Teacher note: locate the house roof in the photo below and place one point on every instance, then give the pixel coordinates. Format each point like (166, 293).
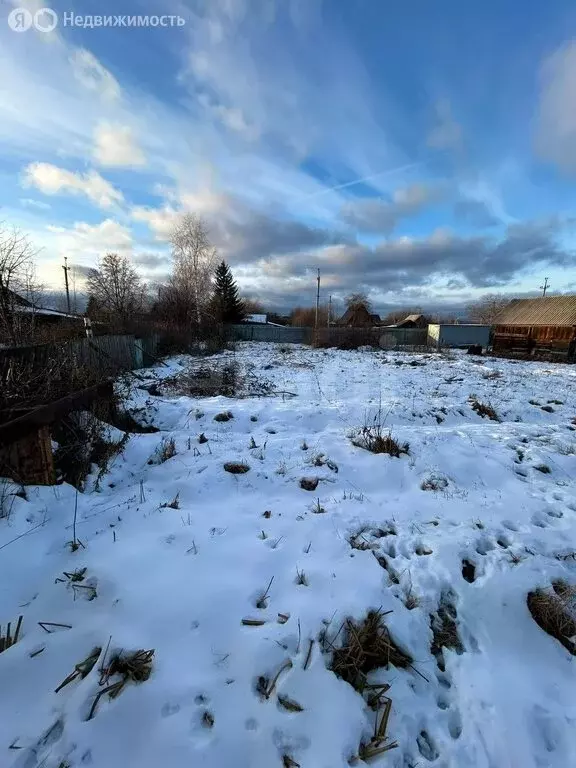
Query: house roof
(33, 310)
(355, 313)
(412, 318)
(17, 300)
(551, 310)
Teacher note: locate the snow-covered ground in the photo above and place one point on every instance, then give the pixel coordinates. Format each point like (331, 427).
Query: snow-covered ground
(490, 501)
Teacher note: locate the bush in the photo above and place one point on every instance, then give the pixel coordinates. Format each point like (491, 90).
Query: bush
(483, 409)
(373, 439)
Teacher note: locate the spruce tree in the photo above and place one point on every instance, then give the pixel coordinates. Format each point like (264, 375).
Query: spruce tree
(227, 303)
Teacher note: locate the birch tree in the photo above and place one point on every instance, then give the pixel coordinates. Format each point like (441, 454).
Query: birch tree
(194, 262)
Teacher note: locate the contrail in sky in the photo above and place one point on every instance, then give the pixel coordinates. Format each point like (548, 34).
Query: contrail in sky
(389, 172)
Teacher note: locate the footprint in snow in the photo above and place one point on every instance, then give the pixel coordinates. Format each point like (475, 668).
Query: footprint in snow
(554, 513)
(36, 756)
(469, 571)
(168, 709)
(454, 724)
(427, 747)
(484, 546)
(545, 731)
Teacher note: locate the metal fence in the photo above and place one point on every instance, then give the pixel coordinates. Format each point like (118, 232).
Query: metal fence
(386, 338)
(265, 332)
(37, 374)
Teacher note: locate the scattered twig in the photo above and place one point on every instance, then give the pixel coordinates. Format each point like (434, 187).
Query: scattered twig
(262, 601)
(299, 637)
(308, 655)
(286, 665)
(46, 624)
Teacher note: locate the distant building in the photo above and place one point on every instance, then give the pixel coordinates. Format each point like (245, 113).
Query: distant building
(262, 319)
(544, 328)
(413, 321)
(358, 317)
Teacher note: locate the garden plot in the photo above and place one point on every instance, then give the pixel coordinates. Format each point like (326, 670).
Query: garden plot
(328, 567)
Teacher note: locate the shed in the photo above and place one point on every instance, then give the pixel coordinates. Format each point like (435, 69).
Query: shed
(544, 328)
(413, 321)
(461, 335)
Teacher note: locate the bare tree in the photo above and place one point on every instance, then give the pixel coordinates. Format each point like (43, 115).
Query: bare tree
(253, 306)
(115, 287)
(305, 316)
(194, 262)
(19, 291)
(487, 308)
(358, 299)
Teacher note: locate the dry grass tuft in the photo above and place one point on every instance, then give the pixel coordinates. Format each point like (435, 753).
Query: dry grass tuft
(166, 450)
(554, 610)
(133, 667)
(367, 646)
(434, 483)
(372, 438)
(483, 409)
(236, 468)
(7, 640)
(174, 504)
(301, 578)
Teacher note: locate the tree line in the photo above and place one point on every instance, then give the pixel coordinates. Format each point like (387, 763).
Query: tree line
(199, 292)
(200, 289)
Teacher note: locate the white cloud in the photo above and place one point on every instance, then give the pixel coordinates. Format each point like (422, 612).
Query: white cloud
(115, 146)
(377, 215)
(556, 124)
(93, 75)
(52, 180)
(160, 220)
(447, 133)
(84, 242)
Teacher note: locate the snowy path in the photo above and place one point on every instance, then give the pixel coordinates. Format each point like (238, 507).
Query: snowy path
(499, 510)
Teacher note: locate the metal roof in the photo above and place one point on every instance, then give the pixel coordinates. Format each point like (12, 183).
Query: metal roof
(551, 310)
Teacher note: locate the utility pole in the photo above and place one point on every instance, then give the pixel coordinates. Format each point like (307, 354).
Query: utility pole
(329, 309)
(545, 287)
(66, 269)
(317, 300)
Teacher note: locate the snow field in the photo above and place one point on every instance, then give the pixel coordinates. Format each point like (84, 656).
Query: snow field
(476, 515)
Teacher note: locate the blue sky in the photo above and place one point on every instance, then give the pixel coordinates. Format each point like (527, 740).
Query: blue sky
(422, 152)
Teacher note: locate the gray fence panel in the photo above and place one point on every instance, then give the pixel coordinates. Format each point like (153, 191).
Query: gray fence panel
(402, 337)
(276, 333)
